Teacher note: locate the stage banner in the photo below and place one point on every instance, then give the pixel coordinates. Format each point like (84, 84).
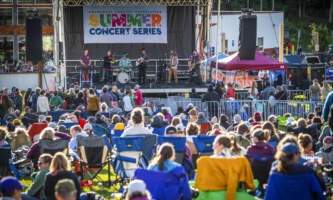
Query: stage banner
(125, 24)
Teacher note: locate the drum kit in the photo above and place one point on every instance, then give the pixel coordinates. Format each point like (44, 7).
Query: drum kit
(123, 77)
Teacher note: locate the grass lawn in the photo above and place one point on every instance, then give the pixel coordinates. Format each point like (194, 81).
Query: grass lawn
(98, 188)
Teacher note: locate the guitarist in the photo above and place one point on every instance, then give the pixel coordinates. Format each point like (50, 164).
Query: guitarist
(173, 66)
(194, 68)
(141, 63)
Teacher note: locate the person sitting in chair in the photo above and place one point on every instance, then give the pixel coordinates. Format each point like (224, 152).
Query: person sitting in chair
(36, 189)
(164, 160)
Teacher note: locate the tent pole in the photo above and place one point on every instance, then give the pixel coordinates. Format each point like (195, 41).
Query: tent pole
(217, 37)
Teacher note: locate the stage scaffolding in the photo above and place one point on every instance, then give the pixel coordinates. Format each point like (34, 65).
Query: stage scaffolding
(73, 3)
(203, 7)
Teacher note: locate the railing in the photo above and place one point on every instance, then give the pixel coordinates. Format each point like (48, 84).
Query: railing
(155, 69)
(245, 108)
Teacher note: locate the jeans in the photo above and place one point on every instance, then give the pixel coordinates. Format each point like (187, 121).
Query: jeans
(314, 100)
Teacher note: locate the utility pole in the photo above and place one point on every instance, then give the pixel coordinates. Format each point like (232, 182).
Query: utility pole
(217, 38)
(260, 5)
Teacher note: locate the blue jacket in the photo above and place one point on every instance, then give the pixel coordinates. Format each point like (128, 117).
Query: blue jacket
(327, 106)
(166, 185)
(34, 102)
(290, 187)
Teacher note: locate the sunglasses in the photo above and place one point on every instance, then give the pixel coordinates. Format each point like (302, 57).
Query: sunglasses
(40, 163)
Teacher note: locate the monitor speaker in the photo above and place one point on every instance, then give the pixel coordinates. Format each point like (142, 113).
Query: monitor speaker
(34, 42)
(247, 37)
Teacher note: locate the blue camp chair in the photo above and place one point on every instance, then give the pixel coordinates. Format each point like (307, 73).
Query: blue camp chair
(290, 187)
(56, 114)
(99, 130)
(129, 155)
(159, 131)
(166, 185)
(204, 144)
(68, 125)
(273, 144)
(179, 146)
(185, 122)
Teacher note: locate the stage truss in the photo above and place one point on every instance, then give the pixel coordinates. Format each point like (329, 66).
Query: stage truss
(74, 3)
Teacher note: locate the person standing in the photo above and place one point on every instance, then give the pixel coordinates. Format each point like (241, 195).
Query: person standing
(127, 102)
(138, 96)
(108, 61)
(43, 103)
(85, 62)
(325, 90)
(194, 67)
(314, 90)
(141, 63)
(18, 100)
(93, 103)
(5, 103)
(173, 66)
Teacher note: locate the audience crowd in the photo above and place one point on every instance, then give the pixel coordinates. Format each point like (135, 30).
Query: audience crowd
(301, 146)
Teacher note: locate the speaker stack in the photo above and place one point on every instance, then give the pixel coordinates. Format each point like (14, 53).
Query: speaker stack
(34, 42)
(247, 37)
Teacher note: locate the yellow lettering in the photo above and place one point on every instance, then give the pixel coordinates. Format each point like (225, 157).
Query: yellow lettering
(93, 20)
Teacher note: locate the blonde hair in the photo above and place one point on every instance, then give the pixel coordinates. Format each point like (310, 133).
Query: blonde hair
(60, 162)
(47, 133)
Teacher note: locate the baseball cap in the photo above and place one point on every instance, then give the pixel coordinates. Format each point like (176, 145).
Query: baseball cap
(290, 148)
(257, 114)
(10, 183)
(136, 186)
(65, 187)
(62, 128)
(180, 127)
(170, 129)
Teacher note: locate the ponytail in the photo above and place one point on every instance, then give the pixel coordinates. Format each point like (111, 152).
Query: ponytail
(235, 148)
(165, 152)
(284, 161)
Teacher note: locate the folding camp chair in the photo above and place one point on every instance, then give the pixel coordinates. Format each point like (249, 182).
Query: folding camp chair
(56, 114)
(159, 131)
(5, 155)
(99, 130)
(68, 125)
(179, 145)
(261, 166)
(93, 156)
(129, 155)
(53, 146)
(295, 186)
(166, 185)
(149, 146)
(204, 144)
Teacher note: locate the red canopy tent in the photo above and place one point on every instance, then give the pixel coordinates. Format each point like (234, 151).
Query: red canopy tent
(261, 62)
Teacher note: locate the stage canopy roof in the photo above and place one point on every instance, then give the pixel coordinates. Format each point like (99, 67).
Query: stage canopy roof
(135, 2)
(261, 62)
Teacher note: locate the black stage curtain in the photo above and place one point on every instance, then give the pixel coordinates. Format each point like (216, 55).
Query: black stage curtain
(181, 36)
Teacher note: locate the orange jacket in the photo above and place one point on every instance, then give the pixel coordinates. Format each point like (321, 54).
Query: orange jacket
(214, 174)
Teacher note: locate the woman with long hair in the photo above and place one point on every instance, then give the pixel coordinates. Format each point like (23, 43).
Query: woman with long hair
(274, 136)
(305, 142)
(288, 157)
(325, 90)
(253, 91)
(60, 168)
(93, 103)
(164, 160)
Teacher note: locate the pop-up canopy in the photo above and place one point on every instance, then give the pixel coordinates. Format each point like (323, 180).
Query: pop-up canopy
(261, 62)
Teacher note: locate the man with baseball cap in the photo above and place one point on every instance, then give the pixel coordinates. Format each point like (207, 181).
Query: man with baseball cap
(11, 188)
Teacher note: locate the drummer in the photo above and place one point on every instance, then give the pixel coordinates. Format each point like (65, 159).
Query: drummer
(85, 62)
(125, 64)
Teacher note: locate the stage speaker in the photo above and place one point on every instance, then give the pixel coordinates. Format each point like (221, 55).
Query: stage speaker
(247, 37)
(33, 39)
